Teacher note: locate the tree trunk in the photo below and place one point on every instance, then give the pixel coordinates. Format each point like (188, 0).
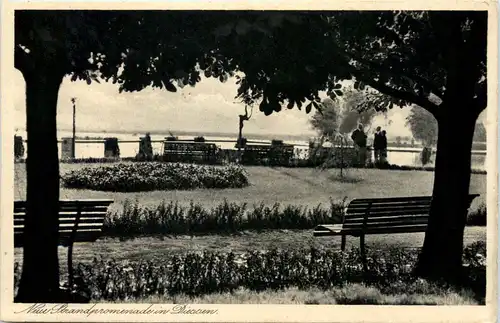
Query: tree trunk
(441, 256)
(239, 143)
(40, 275)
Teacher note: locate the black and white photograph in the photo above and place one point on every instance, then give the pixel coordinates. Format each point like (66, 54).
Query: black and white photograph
(178, 160)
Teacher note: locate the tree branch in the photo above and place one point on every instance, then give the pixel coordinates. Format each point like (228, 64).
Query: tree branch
(406, 96)
(398, 72)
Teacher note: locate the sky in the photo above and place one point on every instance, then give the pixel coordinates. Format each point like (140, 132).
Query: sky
(209, 106)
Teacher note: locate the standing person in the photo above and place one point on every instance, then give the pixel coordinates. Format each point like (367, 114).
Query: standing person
(383, 148)
(359, 138)
(377, 145)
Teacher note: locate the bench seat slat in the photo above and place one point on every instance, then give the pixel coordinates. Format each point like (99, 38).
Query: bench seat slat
(389, 229)
(349, 226)
(399, 229)
(65, 227)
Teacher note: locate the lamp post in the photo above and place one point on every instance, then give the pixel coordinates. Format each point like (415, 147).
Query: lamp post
(73, 144)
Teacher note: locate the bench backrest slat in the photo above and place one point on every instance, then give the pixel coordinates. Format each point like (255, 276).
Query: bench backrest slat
(390, 213)
(89, 220)
(378, 204)
(390, 199)
(93, 202)
(367, 214)
(67, 214)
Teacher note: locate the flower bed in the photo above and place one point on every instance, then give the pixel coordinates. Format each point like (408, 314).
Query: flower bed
(149, 176)
(210, 272)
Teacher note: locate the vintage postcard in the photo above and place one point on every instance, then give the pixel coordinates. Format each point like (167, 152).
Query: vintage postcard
(242, 161)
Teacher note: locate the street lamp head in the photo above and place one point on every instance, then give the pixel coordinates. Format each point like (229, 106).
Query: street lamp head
(73, 100)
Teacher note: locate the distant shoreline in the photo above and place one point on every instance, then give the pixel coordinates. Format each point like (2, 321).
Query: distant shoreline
(80, 134)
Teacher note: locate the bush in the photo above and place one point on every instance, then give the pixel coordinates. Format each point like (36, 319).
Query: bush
(226, 217)
(18, 147)
(149, 176)
(210, 272)
(477, 216)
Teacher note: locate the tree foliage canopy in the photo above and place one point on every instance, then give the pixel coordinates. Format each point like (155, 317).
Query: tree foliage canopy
(424, 127)
(404, 56)
(341, 115)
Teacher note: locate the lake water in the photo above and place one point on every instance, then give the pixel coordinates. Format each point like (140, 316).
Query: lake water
(395, 155)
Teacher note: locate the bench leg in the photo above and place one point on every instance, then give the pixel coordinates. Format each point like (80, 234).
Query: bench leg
(342, 244)
(70, 266)
(363, 252)
(362, 245)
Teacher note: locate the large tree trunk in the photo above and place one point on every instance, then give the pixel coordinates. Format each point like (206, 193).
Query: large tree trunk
(441, 256)
(40, 275)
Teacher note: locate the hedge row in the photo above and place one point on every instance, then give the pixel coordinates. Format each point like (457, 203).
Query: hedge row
(228, 217)
(211, 272)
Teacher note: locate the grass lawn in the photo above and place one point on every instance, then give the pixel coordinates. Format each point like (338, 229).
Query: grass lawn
(303, 186)
(348, 295)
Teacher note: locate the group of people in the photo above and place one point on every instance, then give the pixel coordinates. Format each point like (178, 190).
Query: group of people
(379, 145)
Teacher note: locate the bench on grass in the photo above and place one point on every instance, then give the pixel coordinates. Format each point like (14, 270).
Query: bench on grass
(79, 221)
(274, 155)
(381, 215)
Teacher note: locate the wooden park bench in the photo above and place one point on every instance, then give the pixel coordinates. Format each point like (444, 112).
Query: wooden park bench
(381, 216)
(274, 155)
(79, 221)
(178, 151)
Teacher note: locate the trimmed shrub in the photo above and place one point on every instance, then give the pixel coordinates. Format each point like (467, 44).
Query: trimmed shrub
(149, 176)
